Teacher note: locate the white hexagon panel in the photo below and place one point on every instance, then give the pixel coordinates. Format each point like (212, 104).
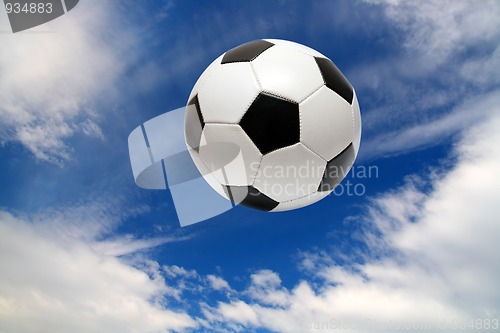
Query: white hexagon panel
(326, 123)
(228, 93)
(204, 76)
(290, 173)
(296, 46)
(229, 154)
(300, 202)
(287, 73)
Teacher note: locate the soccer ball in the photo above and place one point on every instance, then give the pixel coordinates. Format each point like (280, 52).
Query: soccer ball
(273, 125)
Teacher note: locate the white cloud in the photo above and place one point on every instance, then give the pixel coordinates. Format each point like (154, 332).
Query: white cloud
(218, 283)
(51, 78)
(448, 57)
(483, 70)
(69, 287)
(176, 271)
(239, 312)
(266, 288)
(60, 272)
(436, 31)
(465, 115)
(432, 257)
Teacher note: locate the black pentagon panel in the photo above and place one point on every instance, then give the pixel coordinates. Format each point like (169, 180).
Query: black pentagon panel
(336, 169)
(194, 124)
(246, 52)
(194, 101)
(272, 122)
(334, 79)
(249, 196)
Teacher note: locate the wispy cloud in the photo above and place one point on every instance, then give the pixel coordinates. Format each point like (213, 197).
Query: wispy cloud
(127, 244)
(50, 81)
(447, 59)
(437, 31)
(435, 131)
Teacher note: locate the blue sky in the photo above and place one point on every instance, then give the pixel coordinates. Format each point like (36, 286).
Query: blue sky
(83, 249)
